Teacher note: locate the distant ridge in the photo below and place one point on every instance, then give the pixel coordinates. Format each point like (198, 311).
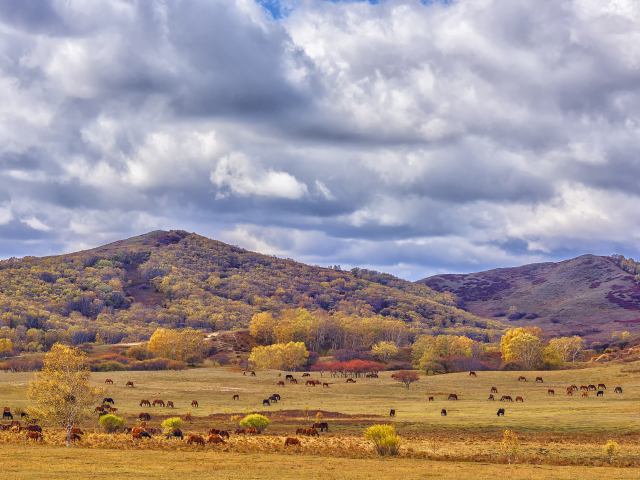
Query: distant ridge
(588, 295)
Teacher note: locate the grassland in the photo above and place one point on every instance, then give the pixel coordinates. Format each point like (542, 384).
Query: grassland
(554, 431)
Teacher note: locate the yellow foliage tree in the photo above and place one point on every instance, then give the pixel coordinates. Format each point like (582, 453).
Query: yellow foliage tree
(280, 356)
(568, 348)
(384, 351)
(262, 326)
(6, 346)
(176, 345)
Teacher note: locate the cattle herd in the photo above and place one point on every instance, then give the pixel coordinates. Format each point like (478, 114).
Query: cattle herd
(217, 436)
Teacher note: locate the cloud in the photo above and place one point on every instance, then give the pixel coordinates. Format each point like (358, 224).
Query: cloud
(406, 136)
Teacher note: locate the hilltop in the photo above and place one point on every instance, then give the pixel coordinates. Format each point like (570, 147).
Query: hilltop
(589, 295)
(175, 279)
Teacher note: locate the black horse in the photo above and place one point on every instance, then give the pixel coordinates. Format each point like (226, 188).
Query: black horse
(175, 432)
(108, 400)
(501, 412)
(266, 402)
(7, 415)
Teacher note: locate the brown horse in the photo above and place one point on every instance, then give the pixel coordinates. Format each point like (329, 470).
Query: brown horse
(194, 403)
(215, 439)
(291, 441)
(281, 384)
(196, 439)
(519, 399)
(522, 379)
(170, 404)
(236, 397)
(551, 392)
(145, 402)
(472, 374)
(506, 398)
(129, 384)
(539, 380)
(109, 381)
(325, 384)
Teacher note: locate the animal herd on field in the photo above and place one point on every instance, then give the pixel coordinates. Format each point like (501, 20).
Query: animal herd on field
(216, 436)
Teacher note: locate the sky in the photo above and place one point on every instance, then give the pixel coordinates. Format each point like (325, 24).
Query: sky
(406, 136)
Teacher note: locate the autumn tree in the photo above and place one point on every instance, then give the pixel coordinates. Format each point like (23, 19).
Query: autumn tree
(262, 326)
(407, 377)
(177, 345)
(384, 351)
(61, 390)
(522, 344)
(280, 356)
(568, 348)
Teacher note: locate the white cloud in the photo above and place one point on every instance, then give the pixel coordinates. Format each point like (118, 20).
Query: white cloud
(36, 224)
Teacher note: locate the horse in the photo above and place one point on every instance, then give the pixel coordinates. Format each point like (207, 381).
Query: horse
(551, 392)
(518, 398)
(129, 384)
(306, 374)
(281, 384)
(602, 386)
(501, 412)
(617, 390)
(539, 380)
(585, 394)
(77, 431)
(288, 377)
(325, 384)
(291, 441)
(7, 415)
(506, 398)
(494, 390)
(452, 396)
(293, 380)
(139, 435)
(35, 436)
(224, 433)
(74, 437)
(522, 379)
(215, 439)
(443, 412)
(591, 387)
(194, 403)
(322, 426)
(240, 431)
(491, 397)
(266, 402)
(195, 439)
(236, 397)
(584, 388)
(392, 413)
(145, 402)
(431, 399)
(273, 399)
(157, 401)
(188, 417)
(170, 404)
(108, 400)
(175, 432)
(472, 374)
(277, 397)
(253, 374)
(312, 431)
(108, 381)
(310, 382)
(350, 380)
(600, 393)
(252, 431)
(144, 416)
(570, 391)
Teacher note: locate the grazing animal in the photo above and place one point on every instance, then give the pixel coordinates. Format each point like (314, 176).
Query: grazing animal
(7, 415)
(35, 436)
(139, 435)
(252, 431)
(518, 398)
(501, 412)
(617, 390)
(113, 409)
(602, 386)
(240, 431)
(34, 428)
(7, 409)
(144, 416)
(109, 381)
(214, 431)
(506, 398)
(551, 392)
(574, 387)
(570, 391)
(494, 390)
(276, 396)
(152, 431)
(108, 400)
(325, 384)
(321, 426)
(224, 433)
(300, 431)
(77, 431)
(281, 384)
(175, 432)
(312, 431)
(522, 379)
(539, 380)
(600, 393)
(157, 401)
(253, 374)
(15, 423)
(310, 382)
(431, 399)
(452, 396)
(129, 384)
(23, 414)
(145, 402)
(74, 437)
(188, 417)
(288, 377)
(170, 404)
(196, 439)
(215, 439)
(293, 380)
(443, 412)
(584, 388)
(350, 380)
(591, 387)
(100, 409)
(585, 394)
(291, 441)
(472, 374)
(306, 374)
(273, 399)
(491, 397)
(4, 427)
(194, 403)
(266, 402)
(236, 397)
(392, 413)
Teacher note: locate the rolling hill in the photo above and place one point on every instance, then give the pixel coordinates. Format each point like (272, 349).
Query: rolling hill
(589, 295)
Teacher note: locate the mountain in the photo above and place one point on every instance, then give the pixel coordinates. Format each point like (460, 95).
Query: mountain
(588, 295)
(127, 289)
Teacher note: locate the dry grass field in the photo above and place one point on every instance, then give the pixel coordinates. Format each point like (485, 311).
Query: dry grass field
(559, 435)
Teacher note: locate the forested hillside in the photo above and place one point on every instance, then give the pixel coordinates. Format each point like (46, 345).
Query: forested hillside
(127, 289)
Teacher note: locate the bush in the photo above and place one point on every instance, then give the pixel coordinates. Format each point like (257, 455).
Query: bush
(399, 366)
(110, 422)
(138, 353)
(610, 450)
(176, 365)
(171, 423)
(255, 420)
(513, 366)
(221, 359)
(384, 439)
(111, 367)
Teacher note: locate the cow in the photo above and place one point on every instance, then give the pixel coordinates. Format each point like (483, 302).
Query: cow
(281, 384)
(325, 384)
(350, 380)
(392, 413)
(551, 391)
(108, 381)
(215, 439)
(591, 387)
(310, 382)
(494, 390)
(472, 374)
(452, 396)
(431, 399)
(322, 426)
(585, 394)
(291, 441)
(240, 431)
(108, 400)
(293, 380)
(157, 401)
(145, 402)
(491, 397)
(170, 404)
(144, 416)
(129, 384)
(306, 374)
(522, 379)
(266, 402)
(506, 398)
(539, 380)
(188, 417)
(600, 393)
(443, 412)
(194, 403)
(252, 431)
(236, 397)
(519, 398)
(35, 436)
(175, 432)
(602, 386)
(617, 390)
(501, 412)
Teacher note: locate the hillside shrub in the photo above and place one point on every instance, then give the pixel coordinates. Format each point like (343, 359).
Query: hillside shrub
(513, 366)
(221, 359)
(176, 365)
(110, 422)
(399, 366)
(256, 421)
(111, 367)
(171, 423)
(384, 439)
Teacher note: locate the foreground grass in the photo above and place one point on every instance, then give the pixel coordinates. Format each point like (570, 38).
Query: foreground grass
(59, 462)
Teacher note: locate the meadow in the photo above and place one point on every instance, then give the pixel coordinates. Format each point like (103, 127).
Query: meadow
(555, 431)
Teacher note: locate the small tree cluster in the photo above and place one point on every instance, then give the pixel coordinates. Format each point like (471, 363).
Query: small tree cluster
(384, 439)
(259, 422)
